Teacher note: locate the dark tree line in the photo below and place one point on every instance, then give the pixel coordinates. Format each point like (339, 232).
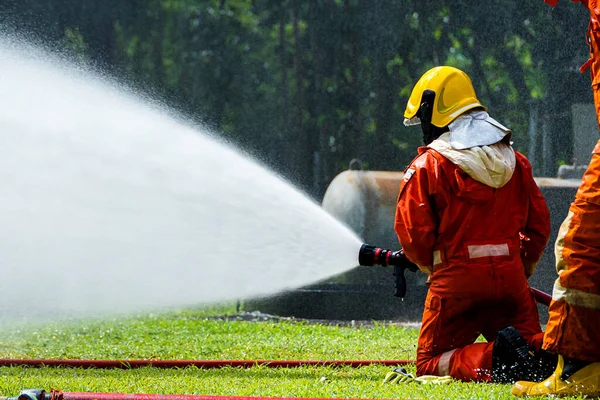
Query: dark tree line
(308, 85)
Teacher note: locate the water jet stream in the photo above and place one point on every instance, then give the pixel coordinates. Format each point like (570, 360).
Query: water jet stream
(111, 204)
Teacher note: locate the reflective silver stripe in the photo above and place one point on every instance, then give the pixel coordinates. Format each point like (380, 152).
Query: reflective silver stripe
(575, 297)
(560, 243)
(488, 250)
(444, 364)
(463, 109)
(437, 257)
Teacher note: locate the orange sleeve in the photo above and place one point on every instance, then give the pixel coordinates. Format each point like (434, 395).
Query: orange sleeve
(416, 222)
(537, 228)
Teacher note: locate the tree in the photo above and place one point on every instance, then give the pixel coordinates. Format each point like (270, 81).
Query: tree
(307, 85)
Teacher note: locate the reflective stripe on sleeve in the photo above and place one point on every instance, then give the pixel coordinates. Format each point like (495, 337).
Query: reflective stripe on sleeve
(559, 245)
(575, 297)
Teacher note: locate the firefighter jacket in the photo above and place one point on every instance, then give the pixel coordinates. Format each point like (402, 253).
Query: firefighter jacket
(470, 207)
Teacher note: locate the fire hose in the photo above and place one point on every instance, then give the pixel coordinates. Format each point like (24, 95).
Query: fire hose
(368, 256)
(40, 394)
(204, 364)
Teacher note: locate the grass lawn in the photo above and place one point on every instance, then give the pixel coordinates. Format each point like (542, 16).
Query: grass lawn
(197, 334)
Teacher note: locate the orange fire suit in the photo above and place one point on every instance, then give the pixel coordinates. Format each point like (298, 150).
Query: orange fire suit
(466, 236)
(574, 323)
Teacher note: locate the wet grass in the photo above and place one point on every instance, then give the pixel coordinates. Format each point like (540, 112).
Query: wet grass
(198, 335)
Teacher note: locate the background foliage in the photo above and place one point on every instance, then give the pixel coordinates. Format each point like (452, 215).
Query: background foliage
(307, 85)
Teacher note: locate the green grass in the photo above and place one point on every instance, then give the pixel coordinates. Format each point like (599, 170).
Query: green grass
(191, 335)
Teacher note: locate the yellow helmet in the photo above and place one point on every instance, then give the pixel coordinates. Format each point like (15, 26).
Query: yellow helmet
(454, 94)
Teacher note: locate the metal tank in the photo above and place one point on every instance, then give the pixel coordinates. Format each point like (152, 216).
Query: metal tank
(366, 202)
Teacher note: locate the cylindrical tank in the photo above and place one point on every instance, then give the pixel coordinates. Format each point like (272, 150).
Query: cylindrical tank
(366, 202)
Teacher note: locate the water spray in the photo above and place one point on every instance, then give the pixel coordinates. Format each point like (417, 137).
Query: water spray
(369, 256)
(132, 202)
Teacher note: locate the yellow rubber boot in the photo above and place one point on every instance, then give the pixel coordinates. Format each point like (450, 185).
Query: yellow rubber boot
(585, 382)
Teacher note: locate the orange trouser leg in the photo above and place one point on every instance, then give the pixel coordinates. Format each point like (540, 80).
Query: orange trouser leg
(493, 298)
(574, 322)
(472, 362)
(451, 325)
(446, 327)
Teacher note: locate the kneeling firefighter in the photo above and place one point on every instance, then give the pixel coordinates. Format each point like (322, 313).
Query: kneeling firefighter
(471, 216)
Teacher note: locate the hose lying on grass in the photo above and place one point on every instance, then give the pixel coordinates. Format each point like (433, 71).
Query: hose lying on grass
(540, 296)
(204, 364)
(40, 394)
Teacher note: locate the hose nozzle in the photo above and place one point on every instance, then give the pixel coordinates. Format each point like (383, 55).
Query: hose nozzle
(369, 256)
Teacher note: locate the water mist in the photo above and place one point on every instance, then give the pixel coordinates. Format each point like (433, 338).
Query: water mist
(110, 204)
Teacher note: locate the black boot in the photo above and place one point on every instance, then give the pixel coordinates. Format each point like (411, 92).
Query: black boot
(513, 360)
(544, 365)
(572, 365)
